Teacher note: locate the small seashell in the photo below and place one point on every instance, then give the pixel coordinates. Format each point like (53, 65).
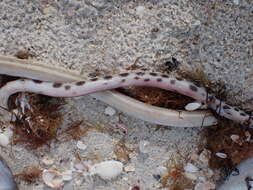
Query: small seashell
(140, 10)
(236, 2)
(204, 186)
(47, 160)
(107, 170)
(190, 168)
(110, 111)
(80, 167)
(247, 135)
(81, 145)
(235, 138)
(67, 175)
(4, 139)
(193, 106)
(129, 168)
(191, 176)
(204, 156)
(221, 155)
(52, 178)
(144, 146)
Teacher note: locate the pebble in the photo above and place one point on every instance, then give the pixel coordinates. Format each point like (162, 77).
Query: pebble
(110, 111)
(81, 145)
(107, 170)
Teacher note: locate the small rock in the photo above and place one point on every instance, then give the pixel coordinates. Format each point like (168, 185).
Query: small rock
(190, 168)
(81, 145)
(110, 111)
(107, 170)
(221, 155)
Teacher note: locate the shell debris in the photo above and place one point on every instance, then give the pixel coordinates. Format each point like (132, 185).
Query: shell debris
(107, 170)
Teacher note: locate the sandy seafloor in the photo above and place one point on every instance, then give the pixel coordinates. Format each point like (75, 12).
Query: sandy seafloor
(108, 36)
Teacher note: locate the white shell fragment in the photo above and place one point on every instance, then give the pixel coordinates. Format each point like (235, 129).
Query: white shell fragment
(190, 168)
(193, 106)
(221, 155)
(81, 145)
(4, 139)
(110, 111)
(67, 175)
(235, 138)
(107, 170)
(47, 160)
(144, 146)
(52, 178)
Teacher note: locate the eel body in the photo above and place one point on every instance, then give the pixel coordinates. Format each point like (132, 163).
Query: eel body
(140, 78)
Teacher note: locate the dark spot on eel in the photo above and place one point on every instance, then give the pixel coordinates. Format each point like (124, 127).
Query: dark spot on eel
(226, 107)
(146, 80)
(80, 83)
(165, 76)
(123, 74)
(153, 74)
(179, 79)
(140, 73)
(159, 80)
(242, 114)
(173, 82)
(37, 81)
(57, 85)
(108, 77)
(193, 88)
(136, 78)
(236, 109)
(67, 87)
(93, 79)
(123, 80)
